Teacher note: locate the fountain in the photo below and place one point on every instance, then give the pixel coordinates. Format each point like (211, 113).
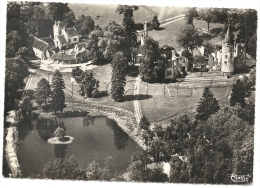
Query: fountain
(60, 137)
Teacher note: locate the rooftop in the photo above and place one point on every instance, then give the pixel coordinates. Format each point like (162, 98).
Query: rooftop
(62, 57)
(72, 32)
(41, 44)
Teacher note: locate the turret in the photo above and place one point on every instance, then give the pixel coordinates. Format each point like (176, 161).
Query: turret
(227, 64)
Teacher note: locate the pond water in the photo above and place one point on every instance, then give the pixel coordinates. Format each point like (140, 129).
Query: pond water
(95, 138)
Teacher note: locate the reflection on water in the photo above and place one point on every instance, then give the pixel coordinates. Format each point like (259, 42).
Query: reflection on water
(45, 128)
(60, 150)
(119, 136)
(88, 120)
(95, 138)
(24, 128)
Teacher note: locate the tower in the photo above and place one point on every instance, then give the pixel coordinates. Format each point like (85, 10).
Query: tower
(239, 53)
(227, 63)
(144, 33)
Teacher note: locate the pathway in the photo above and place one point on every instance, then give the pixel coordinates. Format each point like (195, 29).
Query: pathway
(173, 20)
(138, 111)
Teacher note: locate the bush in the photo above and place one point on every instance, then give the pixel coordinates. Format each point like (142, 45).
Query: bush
(46, 107)
(95, 93)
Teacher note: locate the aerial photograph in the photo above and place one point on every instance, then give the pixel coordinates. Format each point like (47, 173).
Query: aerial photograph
(129, 93)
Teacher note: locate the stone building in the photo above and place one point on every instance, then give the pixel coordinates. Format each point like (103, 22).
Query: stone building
(64, 37)
(231, 57)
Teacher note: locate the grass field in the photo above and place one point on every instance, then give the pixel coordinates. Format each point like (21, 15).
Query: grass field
(101, 13)
(169, 33)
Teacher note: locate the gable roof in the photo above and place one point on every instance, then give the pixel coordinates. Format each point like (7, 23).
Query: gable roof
(49, 40)
(71, 32)
(81, 45)
(40, 44)
(61, 39)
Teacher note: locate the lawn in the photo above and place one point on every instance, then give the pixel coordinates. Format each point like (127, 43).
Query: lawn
(102, 13)
(169, 32)
(166, 101)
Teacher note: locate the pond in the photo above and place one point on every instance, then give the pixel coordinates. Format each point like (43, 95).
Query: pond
(95, 138)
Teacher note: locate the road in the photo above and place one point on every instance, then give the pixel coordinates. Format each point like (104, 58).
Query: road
(172, 20)
(138, 111)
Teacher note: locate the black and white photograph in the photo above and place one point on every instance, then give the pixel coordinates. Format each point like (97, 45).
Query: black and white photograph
(129, 92)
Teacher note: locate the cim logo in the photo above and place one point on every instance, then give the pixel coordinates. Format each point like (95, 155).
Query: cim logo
(239, 178)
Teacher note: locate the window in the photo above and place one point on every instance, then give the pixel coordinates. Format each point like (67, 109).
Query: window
(75, 39)
(225, 63)
(226, 56)
(183, 60)
(230, 55)
(69, 40)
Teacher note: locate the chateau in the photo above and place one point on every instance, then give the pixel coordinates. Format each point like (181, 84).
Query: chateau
(231, 57)
(64, 48)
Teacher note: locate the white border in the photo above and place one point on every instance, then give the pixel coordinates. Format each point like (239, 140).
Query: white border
(5, 182)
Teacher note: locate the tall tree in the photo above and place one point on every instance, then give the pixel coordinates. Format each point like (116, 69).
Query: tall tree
(129, 25)
(15, 73)
(43, 90)
(150, 50)
(189, 38)
(118, 79)
(144, 123)
(89, 83)
(208, 105)
(191, 13)
(26, 107)
(57, 95)
(155, 22)
(84, 25)
(208, 14)
(238, 94)
(58, 10)
(69, 19)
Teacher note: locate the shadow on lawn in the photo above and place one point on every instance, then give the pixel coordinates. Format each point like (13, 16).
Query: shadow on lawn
(138, 97)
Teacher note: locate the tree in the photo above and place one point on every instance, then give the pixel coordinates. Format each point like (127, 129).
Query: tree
(15, 73)
(208, 105)
(13, 42)
(85, 25)
(118, 77)
(156, 175)
(69, 19)
(93, 171)
(113, 40)
(66, 168)
(150, 50)
(43, 90)
(155, 22)
(45, 128)
(89, 83)
(57, 95)
(108, 172)
(252, 46)
(208, 14)
(26, 107)
(144, 123)
(136, 171)
(238, 94)
(191, 13)
(58, 11)
(189, 38)
(198, 60)
(129, 26)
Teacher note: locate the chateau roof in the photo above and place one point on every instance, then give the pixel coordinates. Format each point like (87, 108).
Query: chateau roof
(228, 37)
(62, 39)
(40, 44)
(72, 32)
(49, 40)
(62, 57)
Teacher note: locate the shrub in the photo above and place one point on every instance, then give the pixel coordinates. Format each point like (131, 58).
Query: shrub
(95, 93)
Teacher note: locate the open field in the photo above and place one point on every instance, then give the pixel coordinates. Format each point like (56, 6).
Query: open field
(170, 31)
(166, 100)
(101, 13)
